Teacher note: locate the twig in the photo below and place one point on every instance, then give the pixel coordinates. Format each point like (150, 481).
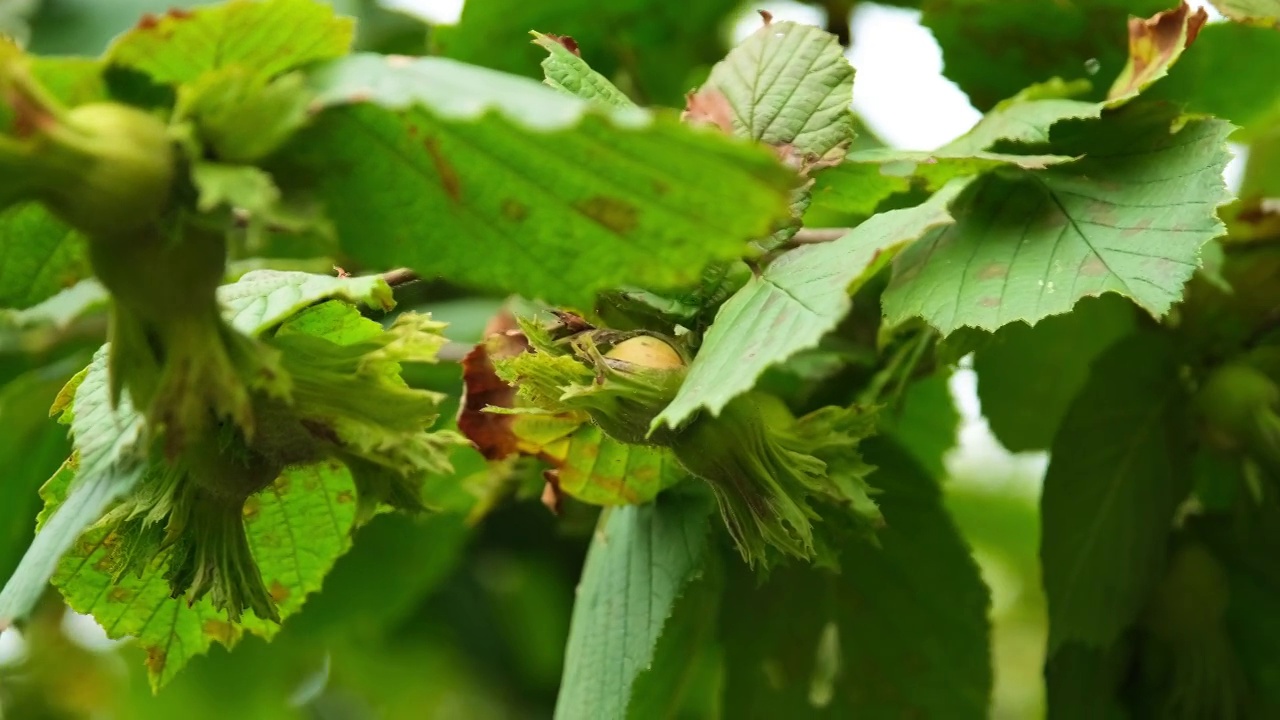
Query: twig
(400, 276)
(811, 236)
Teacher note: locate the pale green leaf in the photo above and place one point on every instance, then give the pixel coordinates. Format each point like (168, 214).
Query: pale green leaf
(640, 562)
(1129, 218)
(567, 71)
(39, 256)
(789, 307)
(262, 299)
(865, 178)
(788, 84)
(424, 162)
(1027, 117)
(31, 449)
(107, 465)
(60, 310)
(1118, 470)
(1264, 13)
(296, 528)
(181, 46)
(899, 631)
(1028, 376)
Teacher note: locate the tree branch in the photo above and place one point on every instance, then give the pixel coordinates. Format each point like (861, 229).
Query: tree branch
(400, 276)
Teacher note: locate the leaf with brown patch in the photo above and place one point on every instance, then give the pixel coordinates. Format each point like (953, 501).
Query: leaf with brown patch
(1154, 45)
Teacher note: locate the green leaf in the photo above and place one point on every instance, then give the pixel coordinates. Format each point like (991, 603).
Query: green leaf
(654, 52)
(993, 49)
(1028, 376)
(241, 116)
(684, 653)
(565, 70)
(38, 256)
(593, 467)
(421, 162)
(1027, 117)
(1129, 218)
(31, 449)
(181, 45)
(789, 307)
(1119, 468)
(1264, 13)
(788, 84)
(927, 424)
(86, 27)
(297, 528)
(262, 299)
(1250, 100)
(106, 467)
(900, 631)
(640, 562)
(857, 185)
(1082, 683)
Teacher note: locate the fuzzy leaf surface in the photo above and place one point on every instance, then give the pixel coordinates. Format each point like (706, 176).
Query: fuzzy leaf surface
(1129, 218)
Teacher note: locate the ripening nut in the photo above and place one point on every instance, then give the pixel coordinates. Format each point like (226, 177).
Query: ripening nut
(119, 171)
(646, 351)
(1232, 400)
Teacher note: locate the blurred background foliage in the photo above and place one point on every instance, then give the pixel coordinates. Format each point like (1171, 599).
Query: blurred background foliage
(444, 617)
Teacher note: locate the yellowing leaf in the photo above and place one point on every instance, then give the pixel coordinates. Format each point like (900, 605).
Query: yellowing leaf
(1154, 45)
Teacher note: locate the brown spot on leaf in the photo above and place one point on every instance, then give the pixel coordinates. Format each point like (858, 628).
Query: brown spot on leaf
(1154, 44)
(278, 591)
(567, 42)
(360, 96)
(989, 302)
(156, 658)
(119, 595)
(251, 507)
(514, 210)
(223, 632)
(1093, 267)
(708, 106)
(448, 175)
(614, 214)
(993, 271)
(1102, 212)
(180, 14)
(104, 564)
(345, 497)
(1137, 229)
(490, 432)
(148, 22)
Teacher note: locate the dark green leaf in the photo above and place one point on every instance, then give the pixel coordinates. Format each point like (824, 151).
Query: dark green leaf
(1119, 468)
(900, 631)
(1220, 75)
(789, 307)
(993, 49)
(422, 162)
(653, 51)
(1028, 376)
(928, 423)
(640, 562)
(1129, 218)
